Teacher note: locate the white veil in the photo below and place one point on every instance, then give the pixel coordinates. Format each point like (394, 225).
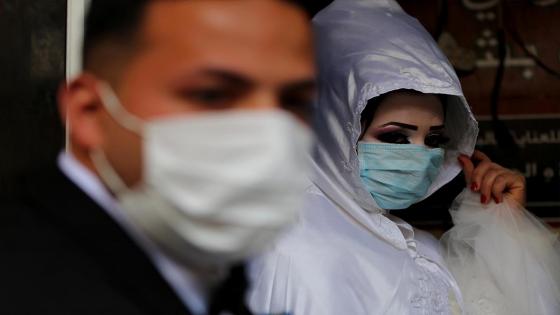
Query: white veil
(505, 260)
(366, 48)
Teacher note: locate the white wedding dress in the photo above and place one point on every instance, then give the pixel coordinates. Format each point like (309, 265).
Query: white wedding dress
(346, 255)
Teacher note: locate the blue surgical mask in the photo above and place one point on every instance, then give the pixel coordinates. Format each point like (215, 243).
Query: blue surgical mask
(398, 175)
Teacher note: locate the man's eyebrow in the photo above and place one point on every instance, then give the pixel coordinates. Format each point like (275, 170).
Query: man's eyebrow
(227, 76)
(402, 125)
(438, 127)
(302, 85)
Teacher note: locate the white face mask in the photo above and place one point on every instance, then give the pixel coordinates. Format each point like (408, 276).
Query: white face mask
(217, 187)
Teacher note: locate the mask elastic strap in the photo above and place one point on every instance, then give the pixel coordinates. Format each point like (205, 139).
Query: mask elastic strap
(108, 173)
(117, 111)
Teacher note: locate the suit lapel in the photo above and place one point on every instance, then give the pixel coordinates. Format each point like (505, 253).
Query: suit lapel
(127, 267)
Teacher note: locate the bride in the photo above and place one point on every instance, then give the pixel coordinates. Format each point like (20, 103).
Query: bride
(393, 127)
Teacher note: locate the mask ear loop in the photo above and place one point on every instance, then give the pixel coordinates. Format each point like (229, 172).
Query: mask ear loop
(117, 111)
(108, 173)
(127, 120)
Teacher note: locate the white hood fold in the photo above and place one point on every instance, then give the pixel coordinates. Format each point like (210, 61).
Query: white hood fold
(367, 48)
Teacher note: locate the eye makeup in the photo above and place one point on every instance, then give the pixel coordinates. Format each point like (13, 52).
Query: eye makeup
(397, 134)
(391, 134)
(436, 140)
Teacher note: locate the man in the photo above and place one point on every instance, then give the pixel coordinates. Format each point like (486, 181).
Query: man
(187, 148)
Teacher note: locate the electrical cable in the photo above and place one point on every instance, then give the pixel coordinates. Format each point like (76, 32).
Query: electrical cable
(500, 70)
(518, 39)
(442, 18)
(504, 138)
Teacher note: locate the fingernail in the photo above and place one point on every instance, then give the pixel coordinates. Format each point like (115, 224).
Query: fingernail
(474, 186)
(496, 200)
(483, 199)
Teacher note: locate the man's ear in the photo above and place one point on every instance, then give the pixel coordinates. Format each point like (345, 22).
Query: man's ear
(80, 109)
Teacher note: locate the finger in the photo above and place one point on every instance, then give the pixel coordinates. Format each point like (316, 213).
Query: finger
(467, 166)
(479, 172)
(479, 156)
(499, 187)
(486, 184)
(516, 187)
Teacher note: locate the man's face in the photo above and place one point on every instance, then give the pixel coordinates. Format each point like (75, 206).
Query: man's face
(213, 55)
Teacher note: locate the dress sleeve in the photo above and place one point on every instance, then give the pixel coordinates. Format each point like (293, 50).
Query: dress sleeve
(504, 259)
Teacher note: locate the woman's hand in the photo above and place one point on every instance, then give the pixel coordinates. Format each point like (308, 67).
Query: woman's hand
(492, 180)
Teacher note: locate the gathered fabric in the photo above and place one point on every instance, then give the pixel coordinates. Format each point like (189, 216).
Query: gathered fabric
(503, 258)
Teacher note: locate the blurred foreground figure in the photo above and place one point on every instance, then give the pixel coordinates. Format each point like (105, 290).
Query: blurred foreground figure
(393, 127)
(188, 141)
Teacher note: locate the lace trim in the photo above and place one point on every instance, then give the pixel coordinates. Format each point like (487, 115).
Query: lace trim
(432, 294)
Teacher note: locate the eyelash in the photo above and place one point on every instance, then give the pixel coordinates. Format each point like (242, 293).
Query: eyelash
(432, 140)
(393, 137)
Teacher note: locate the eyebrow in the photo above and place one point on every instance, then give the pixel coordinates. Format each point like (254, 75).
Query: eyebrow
(299, 86)
(402, 125)
(411, 127)
(226, 76)
(234, 78)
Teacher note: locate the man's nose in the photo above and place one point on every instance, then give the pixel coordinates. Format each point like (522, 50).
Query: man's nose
(264, 99)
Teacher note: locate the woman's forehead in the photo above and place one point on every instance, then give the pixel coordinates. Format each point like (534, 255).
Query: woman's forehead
(403, 105)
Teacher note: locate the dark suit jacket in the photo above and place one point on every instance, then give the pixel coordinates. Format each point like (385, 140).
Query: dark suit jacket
(60, 253)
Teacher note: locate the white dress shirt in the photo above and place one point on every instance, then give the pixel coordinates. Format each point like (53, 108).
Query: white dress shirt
(192, 291)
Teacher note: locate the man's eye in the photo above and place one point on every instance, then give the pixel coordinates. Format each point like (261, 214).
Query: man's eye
(299, 105)
(208, 96)
(301, 109)
(393, 137)
(436, 140)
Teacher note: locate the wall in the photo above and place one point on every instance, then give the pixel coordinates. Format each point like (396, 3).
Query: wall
(32, 64)
(527, 135)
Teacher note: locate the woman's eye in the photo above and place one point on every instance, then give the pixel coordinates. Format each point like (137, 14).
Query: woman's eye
(436, 140)
(393, 137)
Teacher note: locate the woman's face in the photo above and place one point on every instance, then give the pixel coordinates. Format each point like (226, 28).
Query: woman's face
(403, 118)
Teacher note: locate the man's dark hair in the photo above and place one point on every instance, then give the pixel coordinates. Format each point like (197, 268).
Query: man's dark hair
(111, 21)
(118, 21)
